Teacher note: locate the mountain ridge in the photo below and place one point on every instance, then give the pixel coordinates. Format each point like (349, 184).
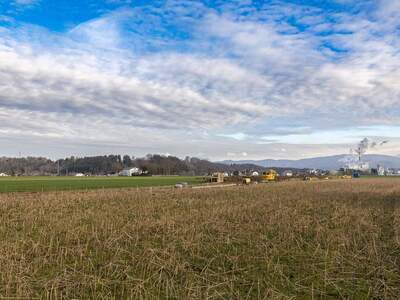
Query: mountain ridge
(333, 162)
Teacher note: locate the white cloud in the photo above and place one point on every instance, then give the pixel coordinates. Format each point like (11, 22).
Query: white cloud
(25, 1)
(242, 81)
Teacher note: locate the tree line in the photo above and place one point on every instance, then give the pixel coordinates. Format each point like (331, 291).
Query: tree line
(154, 164)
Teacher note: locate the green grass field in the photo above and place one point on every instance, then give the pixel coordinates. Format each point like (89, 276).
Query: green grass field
(40, 183)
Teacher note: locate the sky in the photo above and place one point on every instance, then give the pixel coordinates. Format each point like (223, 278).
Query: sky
(217, 79)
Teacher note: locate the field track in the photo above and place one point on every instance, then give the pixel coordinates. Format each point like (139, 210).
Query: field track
(291, 240)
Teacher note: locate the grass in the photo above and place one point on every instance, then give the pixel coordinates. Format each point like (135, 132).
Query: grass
(42, 183)
(289, 240)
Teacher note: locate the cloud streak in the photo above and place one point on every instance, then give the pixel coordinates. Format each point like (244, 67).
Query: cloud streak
(234, 69)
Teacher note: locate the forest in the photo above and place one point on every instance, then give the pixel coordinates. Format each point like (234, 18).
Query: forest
(153, 164)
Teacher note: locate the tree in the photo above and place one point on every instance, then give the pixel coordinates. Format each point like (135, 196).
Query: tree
(127, 161)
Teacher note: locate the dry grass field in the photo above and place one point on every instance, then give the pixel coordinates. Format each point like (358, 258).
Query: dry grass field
(293, 240)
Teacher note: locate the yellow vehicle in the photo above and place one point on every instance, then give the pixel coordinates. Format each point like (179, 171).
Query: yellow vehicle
(270, 175)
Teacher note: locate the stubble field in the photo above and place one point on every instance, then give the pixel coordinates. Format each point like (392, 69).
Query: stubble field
(289, 240)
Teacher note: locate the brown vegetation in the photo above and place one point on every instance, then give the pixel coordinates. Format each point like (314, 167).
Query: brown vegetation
(303, 240)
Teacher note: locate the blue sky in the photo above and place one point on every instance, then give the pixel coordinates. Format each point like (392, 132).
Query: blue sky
(214, 79)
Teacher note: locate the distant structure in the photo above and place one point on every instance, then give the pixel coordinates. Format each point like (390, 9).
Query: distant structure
(313, 171)
(381, 170)
(287, 173)
(79, 174)
(392, 172)
(130, 172)
(217, 177)
(3, 175)
(358, 166)
(355, 160)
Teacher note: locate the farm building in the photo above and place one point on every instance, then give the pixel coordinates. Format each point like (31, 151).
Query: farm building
(130, 172)
(216, 177)
(288, 173)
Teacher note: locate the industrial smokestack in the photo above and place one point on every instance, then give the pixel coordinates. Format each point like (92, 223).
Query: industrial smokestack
(366, 144)
(362, 147)
(355, 159)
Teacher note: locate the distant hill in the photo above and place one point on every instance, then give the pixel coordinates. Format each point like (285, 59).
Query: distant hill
(169, 165)
(327, 162)
(111, 164)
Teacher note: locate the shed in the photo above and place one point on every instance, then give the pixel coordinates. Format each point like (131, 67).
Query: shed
(217, 177)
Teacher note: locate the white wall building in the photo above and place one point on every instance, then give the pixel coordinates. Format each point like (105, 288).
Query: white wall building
(381, 171)
(130, 172)
(358, 166)
(288, 173)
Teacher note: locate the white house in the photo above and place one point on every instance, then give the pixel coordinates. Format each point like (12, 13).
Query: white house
(288, 173)
(381, 171)
(130, 172)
